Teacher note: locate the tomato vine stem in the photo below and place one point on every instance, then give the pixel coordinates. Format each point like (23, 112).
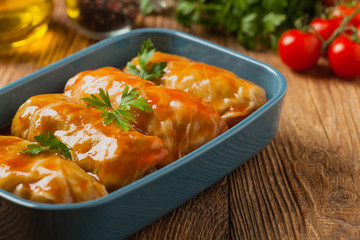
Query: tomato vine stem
(339, 30)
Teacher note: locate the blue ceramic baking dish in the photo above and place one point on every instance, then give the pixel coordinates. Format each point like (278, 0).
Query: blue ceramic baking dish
(130, 208)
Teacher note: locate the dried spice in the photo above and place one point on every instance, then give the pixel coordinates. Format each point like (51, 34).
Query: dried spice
(102, 15)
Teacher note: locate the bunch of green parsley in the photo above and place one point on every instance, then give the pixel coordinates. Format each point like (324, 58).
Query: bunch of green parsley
(255, 22)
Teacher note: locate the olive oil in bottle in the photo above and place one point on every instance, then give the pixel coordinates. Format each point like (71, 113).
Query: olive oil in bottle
(22, 21)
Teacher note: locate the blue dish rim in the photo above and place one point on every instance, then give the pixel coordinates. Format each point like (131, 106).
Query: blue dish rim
(165, 170)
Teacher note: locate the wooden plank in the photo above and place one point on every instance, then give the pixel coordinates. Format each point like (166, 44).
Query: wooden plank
(205, 216)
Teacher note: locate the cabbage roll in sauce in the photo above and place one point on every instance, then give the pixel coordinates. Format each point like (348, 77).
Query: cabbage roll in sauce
(232, 97)
(115, 157)
(183, 121)
(46, 177)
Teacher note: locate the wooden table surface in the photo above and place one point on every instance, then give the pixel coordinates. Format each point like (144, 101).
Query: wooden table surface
(304, 185)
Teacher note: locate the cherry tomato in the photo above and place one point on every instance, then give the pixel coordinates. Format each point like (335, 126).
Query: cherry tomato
(345, 8)
(325, 27)
(344, 57)
(299, 50)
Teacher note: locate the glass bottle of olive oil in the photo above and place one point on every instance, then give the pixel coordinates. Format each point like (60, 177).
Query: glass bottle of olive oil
(22, 21)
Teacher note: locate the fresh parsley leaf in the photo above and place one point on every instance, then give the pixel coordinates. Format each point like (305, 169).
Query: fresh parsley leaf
(131, 68)
(186, 13)
(146, 52)
(157, 70)
(272, 20)
(248, 24)
(146, 7)
(274, 5)
(256, 23)
(122, 114)
(48, 143)
(102, 103)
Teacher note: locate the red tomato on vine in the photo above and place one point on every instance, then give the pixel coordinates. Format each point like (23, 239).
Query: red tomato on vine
(344, 56)
(299, 50)
(325, 27)
(347, 9)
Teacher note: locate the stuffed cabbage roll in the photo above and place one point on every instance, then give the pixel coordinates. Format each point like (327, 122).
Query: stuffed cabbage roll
(183, 121)
(115, 157)
(232, 97)
(46, 177)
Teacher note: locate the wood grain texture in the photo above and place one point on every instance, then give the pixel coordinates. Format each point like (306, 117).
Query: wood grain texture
(304, 185)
